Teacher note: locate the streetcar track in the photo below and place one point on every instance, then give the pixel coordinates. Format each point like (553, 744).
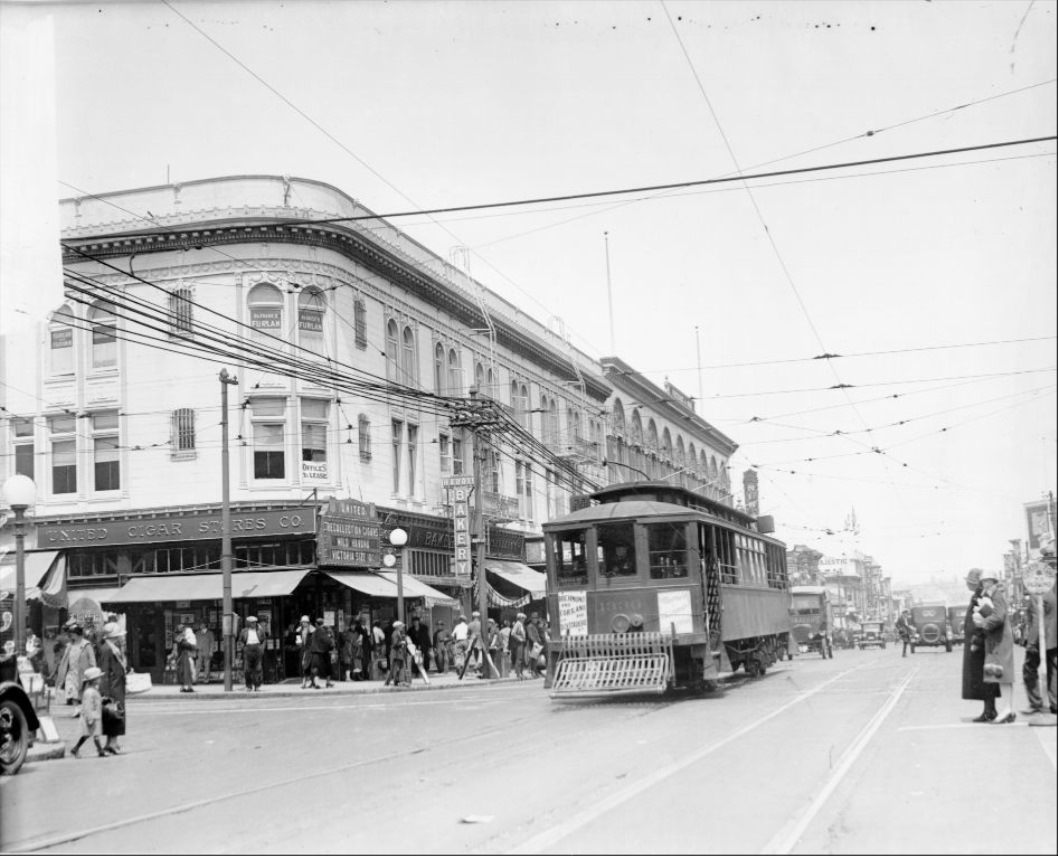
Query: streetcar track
(558, 832)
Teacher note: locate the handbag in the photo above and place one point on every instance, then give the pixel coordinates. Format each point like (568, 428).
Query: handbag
(112, 711)
(137, 683)
(536, 651)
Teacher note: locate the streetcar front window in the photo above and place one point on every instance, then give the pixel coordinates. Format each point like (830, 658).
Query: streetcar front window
(571, 558)
(667, 544)
(617, 550)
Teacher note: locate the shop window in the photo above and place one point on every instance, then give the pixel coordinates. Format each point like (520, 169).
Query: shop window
(106, 450)
(63, 454)
(103, 325)
(60, 333)
(180, 316)
(91, 563)
(22, 431)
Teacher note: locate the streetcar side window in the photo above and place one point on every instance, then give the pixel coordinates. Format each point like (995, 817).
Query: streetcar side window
(617, 549)
(725, 548)
(667, 548)
(571, 557)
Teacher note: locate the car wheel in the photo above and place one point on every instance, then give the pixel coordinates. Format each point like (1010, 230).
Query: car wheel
(14, 737)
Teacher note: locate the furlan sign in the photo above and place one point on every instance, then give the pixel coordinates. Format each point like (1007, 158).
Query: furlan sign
(349, 535)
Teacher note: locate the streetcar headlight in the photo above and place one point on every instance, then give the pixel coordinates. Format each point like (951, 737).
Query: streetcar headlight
(621, 623)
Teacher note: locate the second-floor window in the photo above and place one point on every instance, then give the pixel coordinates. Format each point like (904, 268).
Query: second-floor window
(22, 432)
(363, 433)
(311, 308)
(60, 333)
(268, 417)
(62, 431)
(444, 445)
(106, 450)
(398, 443)
(103, 324)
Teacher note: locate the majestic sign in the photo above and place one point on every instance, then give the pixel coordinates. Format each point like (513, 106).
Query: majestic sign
(175, 526)
(349, 536)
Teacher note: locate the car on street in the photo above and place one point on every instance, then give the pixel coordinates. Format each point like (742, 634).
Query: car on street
(930, 627)
(18, 724)
(957, 620)
(870, 635)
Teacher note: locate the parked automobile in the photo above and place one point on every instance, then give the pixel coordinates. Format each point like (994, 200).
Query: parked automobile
(18, 724)
(957, 620)
(871, 635)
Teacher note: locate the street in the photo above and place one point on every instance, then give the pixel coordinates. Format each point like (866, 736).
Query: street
(865, 753)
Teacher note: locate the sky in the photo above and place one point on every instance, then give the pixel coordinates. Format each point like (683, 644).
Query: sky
(933, 278)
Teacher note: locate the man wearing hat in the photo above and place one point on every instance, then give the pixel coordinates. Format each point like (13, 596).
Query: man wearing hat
(1031, 667)
(252, 638)
(997, 641)
(322, 644)
(903, 629)
(304, 636)
(517, 642)
(398, 656)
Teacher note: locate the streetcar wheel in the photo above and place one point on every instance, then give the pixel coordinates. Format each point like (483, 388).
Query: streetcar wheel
(14, 737)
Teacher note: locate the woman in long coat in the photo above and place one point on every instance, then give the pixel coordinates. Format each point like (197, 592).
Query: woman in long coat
(185, 655)
(78, 656)
(998, 644)
(973, 654)
(112, 684)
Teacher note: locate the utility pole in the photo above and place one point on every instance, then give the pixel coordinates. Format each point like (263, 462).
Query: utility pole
(227, 619)
(478, 417)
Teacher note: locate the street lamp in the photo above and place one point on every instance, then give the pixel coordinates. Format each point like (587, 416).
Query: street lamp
(20, 493)
(397, 539)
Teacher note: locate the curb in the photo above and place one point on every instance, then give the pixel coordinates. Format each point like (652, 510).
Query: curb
(45, 752)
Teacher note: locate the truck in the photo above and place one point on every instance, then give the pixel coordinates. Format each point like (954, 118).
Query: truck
(812, 617)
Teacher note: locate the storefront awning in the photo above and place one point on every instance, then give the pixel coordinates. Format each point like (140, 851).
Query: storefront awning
(365, 583)
(534, 582)
(37, 565)
(414, 587)
(209, 586)
(99, 595)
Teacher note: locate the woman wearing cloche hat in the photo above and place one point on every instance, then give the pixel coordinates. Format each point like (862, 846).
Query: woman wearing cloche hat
(997, 641)
(114, 666)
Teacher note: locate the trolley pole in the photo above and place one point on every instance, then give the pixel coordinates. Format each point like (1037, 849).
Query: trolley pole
(225, 532)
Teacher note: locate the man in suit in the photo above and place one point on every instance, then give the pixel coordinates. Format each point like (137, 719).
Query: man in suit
(903, 629)
(1030, 669)
(252, 638)
(204, 654)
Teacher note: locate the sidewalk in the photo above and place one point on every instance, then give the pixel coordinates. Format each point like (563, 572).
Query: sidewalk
(61, 714)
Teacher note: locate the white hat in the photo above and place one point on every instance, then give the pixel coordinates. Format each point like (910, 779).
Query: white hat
(251, 618)
(305, 619)
(112, 631)
(92, 672)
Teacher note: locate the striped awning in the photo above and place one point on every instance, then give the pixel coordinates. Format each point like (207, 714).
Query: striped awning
(37, 564)
(209, 586)
(533, 582)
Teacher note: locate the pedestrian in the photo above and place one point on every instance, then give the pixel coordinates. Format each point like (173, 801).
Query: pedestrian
(992, 617)
(304, 637)
(91, 712)
(114, 666)
(322, 645)
(253, 639)
(204, 655)
(1031, 668)
(492, 645)
(973, 656)
(505, 648)
(78, 656)
(185, 660)
(347, 638)
(460, 636)
(442, 639)
(379, 662)
(903, 628)
(518, 640)
(534, 645)
(419, 634)
(475, 642)
(362, 671)
(398, 653)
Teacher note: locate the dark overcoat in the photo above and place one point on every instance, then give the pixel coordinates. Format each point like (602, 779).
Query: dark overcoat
(112, 685)
(999, 639)
(973, 661)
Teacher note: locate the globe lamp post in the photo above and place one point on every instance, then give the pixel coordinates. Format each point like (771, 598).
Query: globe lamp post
(397, 539)
(20, 493)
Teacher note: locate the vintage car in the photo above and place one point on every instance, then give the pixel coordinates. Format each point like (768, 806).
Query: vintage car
(18, 724)
(871, 635)
(930, 627)
(957, 621)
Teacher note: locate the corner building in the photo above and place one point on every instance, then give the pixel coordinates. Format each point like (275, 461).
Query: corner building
(116, 416)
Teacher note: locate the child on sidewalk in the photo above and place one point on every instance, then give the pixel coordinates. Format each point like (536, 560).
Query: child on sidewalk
(91, 711)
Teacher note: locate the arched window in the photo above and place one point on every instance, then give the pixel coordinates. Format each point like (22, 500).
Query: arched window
(618, 418)
(60, 331)
(681, 454)
(490, 380)
(455, 373)
(408, 361)
(703, 467)
(692, 460)
(392, 350)
(103, 320)
(266, 310)
(520, 403)
(311, 309)
(714, 473)
(439, 368)
(666, 446)
(651, 459)
(479, 379)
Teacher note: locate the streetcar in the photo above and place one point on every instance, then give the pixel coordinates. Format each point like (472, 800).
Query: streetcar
(654, 587)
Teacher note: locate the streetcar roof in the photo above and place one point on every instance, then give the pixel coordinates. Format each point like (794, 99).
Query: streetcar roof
(808, 590)
(623, 510)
